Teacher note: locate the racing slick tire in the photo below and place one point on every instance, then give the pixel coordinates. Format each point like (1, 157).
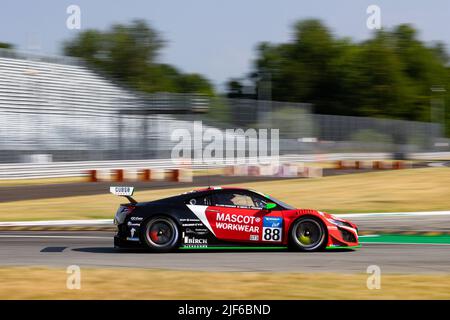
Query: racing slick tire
(161, 234)
(308, 234)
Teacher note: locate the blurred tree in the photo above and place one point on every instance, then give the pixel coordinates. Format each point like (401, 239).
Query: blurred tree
(389, 75)
(129, 53)
(382, 87)
(4, 45)
(194, 83)
(234, 88)
(302, 70)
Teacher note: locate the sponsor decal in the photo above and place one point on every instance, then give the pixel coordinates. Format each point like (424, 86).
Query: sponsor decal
(131, 224)
(189, 220)
(122, 191)
(237, 227)
(132, 235)
(194, 242)
(236, 222)
(198, 231)
(192, 224)
(272, 229)
(237, 206)
(235, 218)
(254, 237)
(272, 222)
(136, 218)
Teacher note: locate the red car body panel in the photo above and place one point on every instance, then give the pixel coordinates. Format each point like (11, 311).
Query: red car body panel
(231, 223)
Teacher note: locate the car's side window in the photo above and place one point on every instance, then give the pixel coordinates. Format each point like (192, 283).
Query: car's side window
(238, 198)
(259, 201)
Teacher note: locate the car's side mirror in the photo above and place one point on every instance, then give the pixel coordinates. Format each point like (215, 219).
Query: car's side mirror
(269, 206)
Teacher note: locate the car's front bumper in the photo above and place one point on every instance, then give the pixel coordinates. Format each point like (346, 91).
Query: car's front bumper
(342, 237)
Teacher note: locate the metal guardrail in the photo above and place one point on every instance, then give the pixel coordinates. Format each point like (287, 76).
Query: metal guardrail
(79, 169)
(430, 155)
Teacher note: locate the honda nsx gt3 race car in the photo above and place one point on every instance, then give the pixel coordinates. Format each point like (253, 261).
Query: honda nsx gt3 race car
(217, 217)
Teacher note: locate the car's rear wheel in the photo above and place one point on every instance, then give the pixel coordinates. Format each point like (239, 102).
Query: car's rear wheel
(308, 234)
(161, 234)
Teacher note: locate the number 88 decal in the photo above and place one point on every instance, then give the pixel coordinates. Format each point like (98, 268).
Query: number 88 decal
(272, 227)
(272, 234)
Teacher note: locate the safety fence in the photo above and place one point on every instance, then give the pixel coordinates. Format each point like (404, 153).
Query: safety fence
(60, 110)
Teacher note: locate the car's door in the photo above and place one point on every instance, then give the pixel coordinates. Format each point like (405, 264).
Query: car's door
(239, 215)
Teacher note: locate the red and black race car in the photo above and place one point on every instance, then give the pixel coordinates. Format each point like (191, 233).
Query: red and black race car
(217, 217)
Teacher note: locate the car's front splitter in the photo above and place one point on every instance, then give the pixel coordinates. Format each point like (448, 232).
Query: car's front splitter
(332, 247)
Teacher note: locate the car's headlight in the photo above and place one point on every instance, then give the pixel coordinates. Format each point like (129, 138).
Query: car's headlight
(338, 223)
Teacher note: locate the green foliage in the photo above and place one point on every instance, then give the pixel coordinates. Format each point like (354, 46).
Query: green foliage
(234, 88)
(371, 136)
(219, 111)
(390, 75)
(129, 54)
(295, 123)
(4, 45)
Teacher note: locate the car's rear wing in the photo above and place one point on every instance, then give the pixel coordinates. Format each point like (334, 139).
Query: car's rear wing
(126, 192)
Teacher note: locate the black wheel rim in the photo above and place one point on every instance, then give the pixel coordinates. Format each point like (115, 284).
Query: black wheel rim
(160, 233)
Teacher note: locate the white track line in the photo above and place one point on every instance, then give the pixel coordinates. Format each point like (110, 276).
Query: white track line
(393, 214)
(438, 164)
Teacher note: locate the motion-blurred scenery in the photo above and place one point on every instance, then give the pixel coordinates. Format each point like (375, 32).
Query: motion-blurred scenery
(333, 111)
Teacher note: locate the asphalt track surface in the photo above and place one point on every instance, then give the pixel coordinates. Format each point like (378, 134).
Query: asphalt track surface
(95, 249)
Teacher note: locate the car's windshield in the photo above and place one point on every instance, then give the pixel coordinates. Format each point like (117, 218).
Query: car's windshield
(272, 199)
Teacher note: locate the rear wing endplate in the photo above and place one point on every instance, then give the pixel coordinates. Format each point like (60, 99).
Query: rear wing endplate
(126, 192)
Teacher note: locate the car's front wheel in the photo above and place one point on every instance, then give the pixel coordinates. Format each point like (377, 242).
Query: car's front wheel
(308, 234)
(161, 234)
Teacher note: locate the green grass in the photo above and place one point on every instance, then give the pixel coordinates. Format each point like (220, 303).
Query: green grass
(411, 239)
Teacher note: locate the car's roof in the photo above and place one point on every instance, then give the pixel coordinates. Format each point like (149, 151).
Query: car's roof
(200, 192)
(196, 192)
(218, 188)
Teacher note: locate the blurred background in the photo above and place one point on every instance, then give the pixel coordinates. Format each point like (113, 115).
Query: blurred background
(94, 90)
(107, 93)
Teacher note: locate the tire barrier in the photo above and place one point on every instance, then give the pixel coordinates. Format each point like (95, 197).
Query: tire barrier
(285, 170)
(122, 175)
(9, 171)
(375, 165)
(92, 175)
(290, 169)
